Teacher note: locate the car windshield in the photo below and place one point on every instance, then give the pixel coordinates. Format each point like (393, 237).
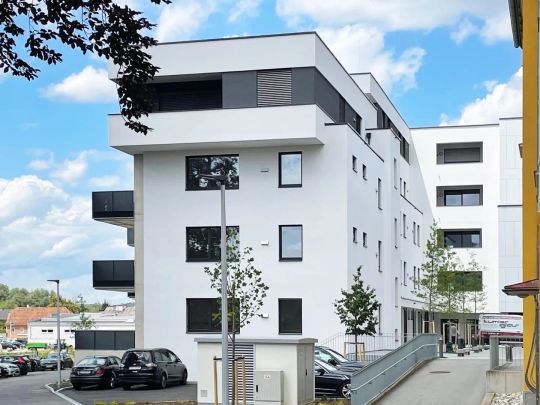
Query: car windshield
(52, 356)
(92, 361)
(137, 357)
(337, 355)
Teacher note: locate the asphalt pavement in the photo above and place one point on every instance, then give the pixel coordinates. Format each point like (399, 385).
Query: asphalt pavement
(30, 389)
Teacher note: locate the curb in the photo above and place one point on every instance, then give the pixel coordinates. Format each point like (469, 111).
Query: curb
(60, 395)
(488, 398)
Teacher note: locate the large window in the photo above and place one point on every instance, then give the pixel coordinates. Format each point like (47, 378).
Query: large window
(201, 315)
(470, 238)
(290, 242)
(290, 316)
(461, 197)
(468, 152)
(218, 164)
(203, 243)
(290, 169)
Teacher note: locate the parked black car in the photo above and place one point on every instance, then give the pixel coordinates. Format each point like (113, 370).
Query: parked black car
(51, 361)
(331, 382)
(7, 345)
(95, 370)
(19, 361)
(154, 367)
(335, 359)
(35, 361)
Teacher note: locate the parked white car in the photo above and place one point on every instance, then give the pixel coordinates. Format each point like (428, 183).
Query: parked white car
(9, 370)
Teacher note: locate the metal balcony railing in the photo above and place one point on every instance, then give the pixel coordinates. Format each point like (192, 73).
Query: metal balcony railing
(115, 207)
(115, 275)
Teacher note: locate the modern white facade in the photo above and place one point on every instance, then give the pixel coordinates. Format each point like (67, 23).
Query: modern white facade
(474, 189)
(44, 330)
(326, 179)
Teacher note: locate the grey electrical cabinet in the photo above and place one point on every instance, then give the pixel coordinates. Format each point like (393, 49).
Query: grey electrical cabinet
(268, 387)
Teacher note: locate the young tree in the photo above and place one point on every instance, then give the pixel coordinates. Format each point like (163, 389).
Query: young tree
(435, 256)
(85, 322)
(104, 27)
(477, 294)
(356, 309)
(246, 289)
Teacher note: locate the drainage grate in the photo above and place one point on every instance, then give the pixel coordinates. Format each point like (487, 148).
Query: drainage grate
(439, 372)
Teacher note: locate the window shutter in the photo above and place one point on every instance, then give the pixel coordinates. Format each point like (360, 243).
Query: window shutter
(274, 87)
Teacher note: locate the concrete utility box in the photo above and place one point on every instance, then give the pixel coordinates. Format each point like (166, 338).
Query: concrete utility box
(282, 369)
(268, 387)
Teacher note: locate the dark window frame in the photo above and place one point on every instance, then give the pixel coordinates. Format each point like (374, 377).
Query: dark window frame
(290, 332)
(212, 329)
(210, 260)
(213, 185)
(297, 185)
(460, 194)
(291, 259)
(463, 232)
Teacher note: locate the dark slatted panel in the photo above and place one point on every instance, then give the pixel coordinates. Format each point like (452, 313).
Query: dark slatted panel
(274, 87)
(245, 350)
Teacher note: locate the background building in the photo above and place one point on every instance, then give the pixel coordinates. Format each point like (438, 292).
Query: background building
(18, 318)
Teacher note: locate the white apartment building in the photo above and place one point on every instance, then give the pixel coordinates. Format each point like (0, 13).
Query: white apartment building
(472, 175)
(323, 178)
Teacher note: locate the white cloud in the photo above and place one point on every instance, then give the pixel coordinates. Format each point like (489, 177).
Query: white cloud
(104, 181)
(71, 170)
(361, 49)
(502, 100)
(41, 164)
(244, 8)
(389, 15)
(182, 19)
(90, 85)
(66, 247)
(464, 30)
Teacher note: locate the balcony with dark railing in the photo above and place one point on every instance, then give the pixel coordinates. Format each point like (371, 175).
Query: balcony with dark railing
(114, 275)
(113, 207)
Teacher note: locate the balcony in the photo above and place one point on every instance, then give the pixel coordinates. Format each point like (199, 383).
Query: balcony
(113, 207)
(290, 125)
(114, 275)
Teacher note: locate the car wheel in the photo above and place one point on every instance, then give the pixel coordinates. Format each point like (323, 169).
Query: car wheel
(76, 387)
(184, 378)
(24, 372)
(127, 387)
(163, 381)
(345, 390)
(111, 382)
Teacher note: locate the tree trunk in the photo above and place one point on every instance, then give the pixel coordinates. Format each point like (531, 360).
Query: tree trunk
(356, 347)
(234, 352)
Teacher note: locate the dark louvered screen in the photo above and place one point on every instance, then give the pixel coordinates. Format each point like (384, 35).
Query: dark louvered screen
(243, 350)
(182, 96)
(274, 87)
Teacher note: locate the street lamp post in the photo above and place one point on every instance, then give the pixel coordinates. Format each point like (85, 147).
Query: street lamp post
(220, 179)
(58, 331)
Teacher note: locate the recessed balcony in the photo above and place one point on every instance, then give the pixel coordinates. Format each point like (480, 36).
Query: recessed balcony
(113, 207)
(114, 275)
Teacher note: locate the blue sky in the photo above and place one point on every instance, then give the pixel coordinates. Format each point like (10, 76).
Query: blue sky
(441, 63)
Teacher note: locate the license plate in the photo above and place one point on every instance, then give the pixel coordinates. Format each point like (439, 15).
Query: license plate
(134, 368)
(84, 372)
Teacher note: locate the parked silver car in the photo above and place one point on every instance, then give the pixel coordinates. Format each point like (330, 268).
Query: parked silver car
(9, 370)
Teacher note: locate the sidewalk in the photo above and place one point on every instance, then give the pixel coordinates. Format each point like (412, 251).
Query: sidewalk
(462, 382)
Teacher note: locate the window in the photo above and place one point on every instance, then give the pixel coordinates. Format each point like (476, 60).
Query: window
(290, 169)
(379, 318)
(379, 193)
(364, 239)
(405, 274)
(354, 235)
(468, 152)
(404, 226)
(404, 189)
(396, 292)
(290, 316)
(200, 315)
(395, 173)
(290, 242)
(456, 196)
(418, 234)
(414, 277)
(395, 233)
(219, 164)
(400, 186)
(187, 95)
(414, 233)
(379, 255)
(364, 172)
(354, 164)
(471, 238)
(358, 123)
(203, 243)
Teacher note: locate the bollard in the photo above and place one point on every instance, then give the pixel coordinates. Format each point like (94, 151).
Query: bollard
(509, 356)
(441, 350)
(494, 352)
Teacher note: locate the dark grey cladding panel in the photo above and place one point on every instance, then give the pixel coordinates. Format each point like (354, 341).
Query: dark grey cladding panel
(303, 85)
(240, 89)
(326, 96)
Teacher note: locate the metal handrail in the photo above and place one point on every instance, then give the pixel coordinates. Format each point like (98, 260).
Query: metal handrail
(392, 365)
